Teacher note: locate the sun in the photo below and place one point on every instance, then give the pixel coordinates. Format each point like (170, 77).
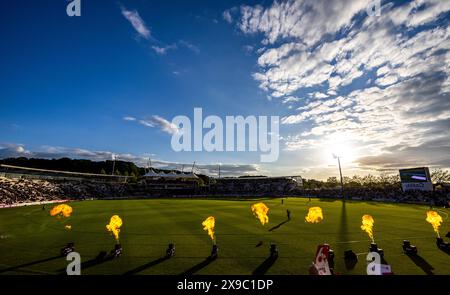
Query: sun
(345, 150)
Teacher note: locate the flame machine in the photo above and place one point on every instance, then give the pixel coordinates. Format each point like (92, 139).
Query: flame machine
(408, 248)
(374, 248)
(445, 246)
(117, 251)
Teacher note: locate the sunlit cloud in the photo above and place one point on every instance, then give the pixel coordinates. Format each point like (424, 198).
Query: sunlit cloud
(368, 80)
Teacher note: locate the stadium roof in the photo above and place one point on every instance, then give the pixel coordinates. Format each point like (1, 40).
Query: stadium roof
(171, 174)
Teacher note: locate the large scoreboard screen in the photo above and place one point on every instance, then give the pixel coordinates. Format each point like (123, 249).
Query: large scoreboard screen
(415, 175)
(416, 179)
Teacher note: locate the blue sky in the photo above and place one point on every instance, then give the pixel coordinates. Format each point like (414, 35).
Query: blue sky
(375, 89)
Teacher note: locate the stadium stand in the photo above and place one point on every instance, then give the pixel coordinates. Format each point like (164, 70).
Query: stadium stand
(19, 185)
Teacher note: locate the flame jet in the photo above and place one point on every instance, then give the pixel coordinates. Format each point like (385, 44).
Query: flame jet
(315, 215)
(260, 211)
(61, 210)
(367, 225)
(208, 225)
(114, 226)
(435, 220)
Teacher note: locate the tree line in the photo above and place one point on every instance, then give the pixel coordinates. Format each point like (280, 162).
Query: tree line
(122, 168)
(438, 176)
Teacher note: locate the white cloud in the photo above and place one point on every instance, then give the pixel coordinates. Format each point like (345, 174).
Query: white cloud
(128, 118)
(189, 45)
(13, 150)
(160, 123)
(136, 21)
(296, 64)
(320, 95)
(164, 125)
(290, 99)
(431, 10)
(248, 49)
(294, 19)
(344, 45)
(163, 50)
(387, 80)
(227, 14)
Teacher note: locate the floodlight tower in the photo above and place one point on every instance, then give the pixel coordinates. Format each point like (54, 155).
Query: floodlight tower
(114, 163)
(340, 174)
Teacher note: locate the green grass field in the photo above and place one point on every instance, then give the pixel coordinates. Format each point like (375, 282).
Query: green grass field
(31, 239)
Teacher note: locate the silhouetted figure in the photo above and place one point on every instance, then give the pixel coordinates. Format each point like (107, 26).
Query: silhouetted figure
(117, 251)
(170, 252)
(43, 207)
(214, 252)
(282, 201)
(67, 249)
(273, 250)
(288, 213)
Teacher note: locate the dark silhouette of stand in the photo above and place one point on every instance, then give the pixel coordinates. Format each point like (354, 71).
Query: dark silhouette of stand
(265, 266)
(199, 266)
(29, 264)
(147, 265)
(422, 263)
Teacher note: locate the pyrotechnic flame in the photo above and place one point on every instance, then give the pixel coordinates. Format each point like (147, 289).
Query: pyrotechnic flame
(367, 225)
(260, 211)
(435, 219)
(68, 227)
(114, 226)
(208, 224)
(61, 210)
(314, 215)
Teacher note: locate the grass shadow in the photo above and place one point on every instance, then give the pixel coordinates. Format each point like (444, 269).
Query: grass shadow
(146, 266)
(99, 259)
(445, 250)
(265, 266)
(199, 266)
(278, 225)
(343, 224)
(422, 263)
(350, 263)
(342, 233)
(30, 264)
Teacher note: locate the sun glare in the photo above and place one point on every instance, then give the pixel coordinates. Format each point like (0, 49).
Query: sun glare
(344, 150)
